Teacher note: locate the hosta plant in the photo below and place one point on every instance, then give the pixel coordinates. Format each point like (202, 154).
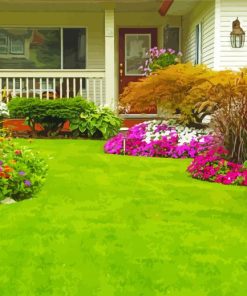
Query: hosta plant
(22, 172)
(96, 122)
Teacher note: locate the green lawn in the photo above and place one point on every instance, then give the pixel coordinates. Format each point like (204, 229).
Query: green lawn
(107, 225)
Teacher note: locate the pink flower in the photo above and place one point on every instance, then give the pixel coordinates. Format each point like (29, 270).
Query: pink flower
(211, 166)
(18, 152)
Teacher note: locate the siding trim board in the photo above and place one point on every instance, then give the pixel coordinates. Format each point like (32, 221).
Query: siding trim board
(198, 40)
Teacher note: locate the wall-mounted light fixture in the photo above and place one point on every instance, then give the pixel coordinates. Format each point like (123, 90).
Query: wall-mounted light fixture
(237, 35)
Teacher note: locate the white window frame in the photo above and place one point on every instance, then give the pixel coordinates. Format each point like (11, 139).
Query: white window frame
(198, 44)
(4, 37)
(13, 52)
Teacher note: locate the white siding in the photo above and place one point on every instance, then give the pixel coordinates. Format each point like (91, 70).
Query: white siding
(232, 58)
(203, 13)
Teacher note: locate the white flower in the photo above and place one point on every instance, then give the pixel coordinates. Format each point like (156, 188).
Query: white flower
(207, 119)
(148, 134)
(4, 112)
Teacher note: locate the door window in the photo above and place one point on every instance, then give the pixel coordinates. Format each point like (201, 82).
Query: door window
(136, 47)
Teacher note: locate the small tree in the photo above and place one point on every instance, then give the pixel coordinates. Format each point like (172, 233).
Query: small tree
(181, 88)
(168, 88)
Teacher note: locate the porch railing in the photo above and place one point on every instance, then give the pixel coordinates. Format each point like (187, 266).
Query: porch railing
(52, 84)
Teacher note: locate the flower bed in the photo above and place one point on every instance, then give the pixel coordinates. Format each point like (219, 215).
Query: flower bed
(160, 139)
(212, 166)
(22, 172)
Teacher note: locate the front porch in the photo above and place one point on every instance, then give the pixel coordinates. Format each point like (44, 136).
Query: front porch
(96, 75)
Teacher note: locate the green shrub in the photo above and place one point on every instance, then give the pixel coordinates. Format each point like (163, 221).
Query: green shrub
(22, 172)
(96, 122)
(51, 114)
(86, 119)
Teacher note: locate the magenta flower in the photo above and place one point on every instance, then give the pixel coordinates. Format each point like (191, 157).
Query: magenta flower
(165, 143)
(212, 166)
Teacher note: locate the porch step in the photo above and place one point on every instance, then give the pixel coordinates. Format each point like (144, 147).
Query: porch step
(133, 121)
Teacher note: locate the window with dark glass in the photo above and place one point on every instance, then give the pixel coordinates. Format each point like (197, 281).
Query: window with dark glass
(172, 38)
(42, 48)
(74, 49)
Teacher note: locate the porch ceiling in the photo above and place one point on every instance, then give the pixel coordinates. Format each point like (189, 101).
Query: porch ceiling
(182, 7)
(80, 5)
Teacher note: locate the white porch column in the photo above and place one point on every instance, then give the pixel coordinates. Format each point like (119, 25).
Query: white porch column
(110, 92)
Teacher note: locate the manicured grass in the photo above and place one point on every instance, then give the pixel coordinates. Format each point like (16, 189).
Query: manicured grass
(109, 225)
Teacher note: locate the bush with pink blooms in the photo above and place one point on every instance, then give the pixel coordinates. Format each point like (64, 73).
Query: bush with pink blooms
(160, 139)
(213, 166)
(160, 59)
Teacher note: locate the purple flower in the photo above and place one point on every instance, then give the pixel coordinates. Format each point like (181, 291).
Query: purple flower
(27, 183)
(21, 173)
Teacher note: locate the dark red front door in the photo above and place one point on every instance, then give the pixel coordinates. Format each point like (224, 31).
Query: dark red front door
(133, 45)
